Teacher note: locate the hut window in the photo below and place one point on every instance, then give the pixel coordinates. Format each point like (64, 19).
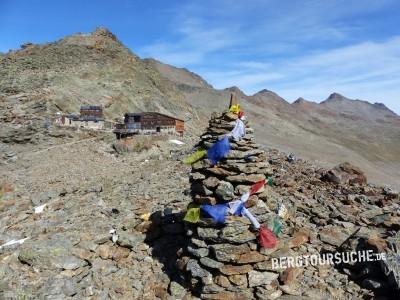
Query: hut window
(136, 119)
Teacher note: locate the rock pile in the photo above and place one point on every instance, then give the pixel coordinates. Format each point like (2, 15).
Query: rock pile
(329, 211)
(224, 260)
(244, 165)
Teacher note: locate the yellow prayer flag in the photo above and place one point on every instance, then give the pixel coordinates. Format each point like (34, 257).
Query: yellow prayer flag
(235, 108)
(199, 154)
(192, 214)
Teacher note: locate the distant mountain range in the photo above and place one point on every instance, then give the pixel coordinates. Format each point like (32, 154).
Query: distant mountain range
(97, 68)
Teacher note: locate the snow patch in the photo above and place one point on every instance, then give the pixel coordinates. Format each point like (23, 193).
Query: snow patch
(177, 142)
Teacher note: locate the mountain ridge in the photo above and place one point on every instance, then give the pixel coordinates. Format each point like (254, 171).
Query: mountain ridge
(97, 68)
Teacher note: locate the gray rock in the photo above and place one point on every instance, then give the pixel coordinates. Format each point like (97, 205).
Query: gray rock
(57, 287)
(121, 148)
(261, 278)
(198, 252)
(198, 243)
(130, 240)
(28, 256)
(228, 252)
(211, 289)
(237, 235)
(89, 245)
(50, 255)
(197, 176)
(235, 154)
(245, 178)
(333, 235)
(72, 263)
(195, 270)
(102, 238)
(211, 182)
(210, 263)
(225, 191)
(209, 234)
(176, 290)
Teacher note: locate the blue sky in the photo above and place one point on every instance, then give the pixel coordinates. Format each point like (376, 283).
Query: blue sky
(296, 48)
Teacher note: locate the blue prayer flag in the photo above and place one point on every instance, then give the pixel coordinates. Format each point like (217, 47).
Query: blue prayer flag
(219, 150)
(217, 211)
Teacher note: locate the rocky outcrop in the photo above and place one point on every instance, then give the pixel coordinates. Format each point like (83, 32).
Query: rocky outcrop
(345, 173)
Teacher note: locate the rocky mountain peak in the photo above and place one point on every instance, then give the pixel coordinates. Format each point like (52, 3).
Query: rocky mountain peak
(104, 32)
(270, 97)
(359, 107)
(383, 107)
(265, 91)
(335, 97)
(236, 90)
(301, 100)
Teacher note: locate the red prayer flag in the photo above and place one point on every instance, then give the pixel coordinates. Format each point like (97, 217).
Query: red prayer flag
(266, 238)
(255, 187)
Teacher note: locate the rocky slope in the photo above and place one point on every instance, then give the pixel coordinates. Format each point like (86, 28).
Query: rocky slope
(86, 69)
(90, 221)
(88, 189)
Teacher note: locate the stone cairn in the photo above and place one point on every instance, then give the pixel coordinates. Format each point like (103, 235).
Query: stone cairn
(225, 261)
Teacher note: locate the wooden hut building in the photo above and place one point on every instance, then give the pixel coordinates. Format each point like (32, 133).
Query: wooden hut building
(90, 117)
(91, 112)
(149, 123)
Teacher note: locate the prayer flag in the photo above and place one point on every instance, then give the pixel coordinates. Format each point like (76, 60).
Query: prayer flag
(217, 211)
(219, 150)
(199, 154)
(239, 130)
(235, 108)
(193, 213)
(245, 197)
(266, 238)
(257, 186)
(252, 219)
(277, 227)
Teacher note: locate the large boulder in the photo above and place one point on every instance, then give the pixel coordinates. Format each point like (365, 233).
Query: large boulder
(345, 173)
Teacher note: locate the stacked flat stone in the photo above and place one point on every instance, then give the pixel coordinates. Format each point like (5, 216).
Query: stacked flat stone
(225, 261)
(230, 178)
